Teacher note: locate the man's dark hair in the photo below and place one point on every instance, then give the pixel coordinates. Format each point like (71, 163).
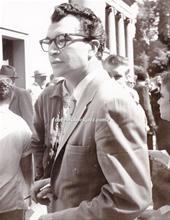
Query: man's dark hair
(91, 24)
(113, 61)
(140, 74)
(116, 60)
(5, 90)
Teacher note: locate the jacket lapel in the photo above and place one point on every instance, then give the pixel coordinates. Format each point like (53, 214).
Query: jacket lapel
(80, 110)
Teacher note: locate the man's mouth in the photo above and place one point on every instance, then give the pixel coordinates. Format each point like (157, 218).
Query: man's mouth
(56, 61)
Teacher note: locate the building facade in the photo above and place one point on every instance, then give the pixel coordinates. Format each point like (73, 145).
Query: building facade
(24, 23)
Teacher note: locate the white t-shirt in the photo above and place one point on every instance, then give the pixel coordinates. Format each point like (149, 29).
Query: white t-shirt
(15, 137)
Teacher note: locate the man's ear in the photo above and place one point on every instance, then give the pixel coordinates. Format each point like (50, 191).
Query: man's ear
(94, 47)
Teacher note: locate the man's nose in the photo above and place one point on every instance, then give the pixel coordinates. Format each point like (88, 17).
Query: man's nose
(53, 49)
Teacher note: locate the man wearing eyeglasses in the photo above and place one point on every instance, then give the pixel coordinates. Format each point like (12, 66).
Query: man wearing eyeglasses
(101, 168)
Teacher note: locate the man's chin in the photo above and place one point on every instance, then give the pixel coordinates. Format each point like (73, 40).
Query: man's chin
(58, 72)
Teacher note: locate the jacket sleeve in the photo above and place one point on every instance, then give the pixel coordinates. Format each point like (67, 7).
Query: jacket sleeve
(26, 108)
(120, 139)
(37, 142)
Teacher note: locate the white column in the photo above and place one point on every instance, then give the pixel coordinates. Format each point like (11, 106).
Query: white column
(121, 35)
(112, 30)
(1, 49)
(130, 36)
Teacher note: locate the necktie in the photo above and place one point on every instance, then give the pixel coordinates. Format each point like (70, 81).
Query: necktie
(72, 105)
(68, 109)
(69, 105)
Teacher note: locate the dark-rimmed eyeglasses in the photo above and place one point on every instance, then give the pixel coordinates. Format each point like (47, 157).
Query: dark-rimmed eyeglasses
(62, 40)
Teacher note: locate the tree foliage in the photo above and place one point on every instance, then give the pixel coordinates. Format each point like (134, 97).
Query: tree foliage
(152, 40)
(164, 21)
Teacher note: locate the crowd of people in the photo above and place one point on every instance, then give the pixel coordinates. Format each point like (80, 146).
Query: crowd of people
(88, 129)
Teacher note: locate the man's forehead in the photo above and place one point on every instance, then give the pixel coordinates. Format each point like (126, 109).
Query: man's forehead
(68, 24)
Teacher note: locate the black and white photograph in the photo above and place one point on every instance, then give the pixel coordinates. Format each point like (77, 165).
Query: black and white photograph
(84, 109)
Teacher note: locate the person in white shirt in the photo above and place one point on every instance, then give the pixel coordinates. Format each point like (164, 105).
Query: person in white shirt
(15, 158)
(38, 85)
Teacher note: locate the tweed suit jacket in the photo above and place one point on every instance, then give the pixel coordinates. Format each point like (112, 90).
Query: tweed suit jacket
(101, 170)
(21, 104)
(48, 106)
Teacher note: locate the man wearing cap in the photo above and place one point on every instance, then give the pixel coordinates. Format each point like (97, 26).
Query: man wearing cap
(38, 85)
(21, 103)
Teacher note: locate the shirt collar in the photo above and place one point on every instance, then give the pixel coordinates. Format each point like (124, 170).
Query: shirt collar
(57, 88)
(82, 85)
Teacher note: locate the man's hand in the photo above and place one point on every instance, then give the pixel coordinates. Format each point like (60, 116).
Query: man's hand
(40, 194)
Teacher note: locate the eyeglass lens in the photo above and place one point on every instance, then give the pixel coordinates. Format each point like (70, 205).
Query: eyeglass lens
(60, 42)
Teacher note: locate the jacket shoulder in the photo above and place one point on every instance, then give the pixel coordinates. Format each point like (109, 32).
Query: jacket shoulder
(53, 90)
(21, 93)
(19, 90)
(110, 90)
